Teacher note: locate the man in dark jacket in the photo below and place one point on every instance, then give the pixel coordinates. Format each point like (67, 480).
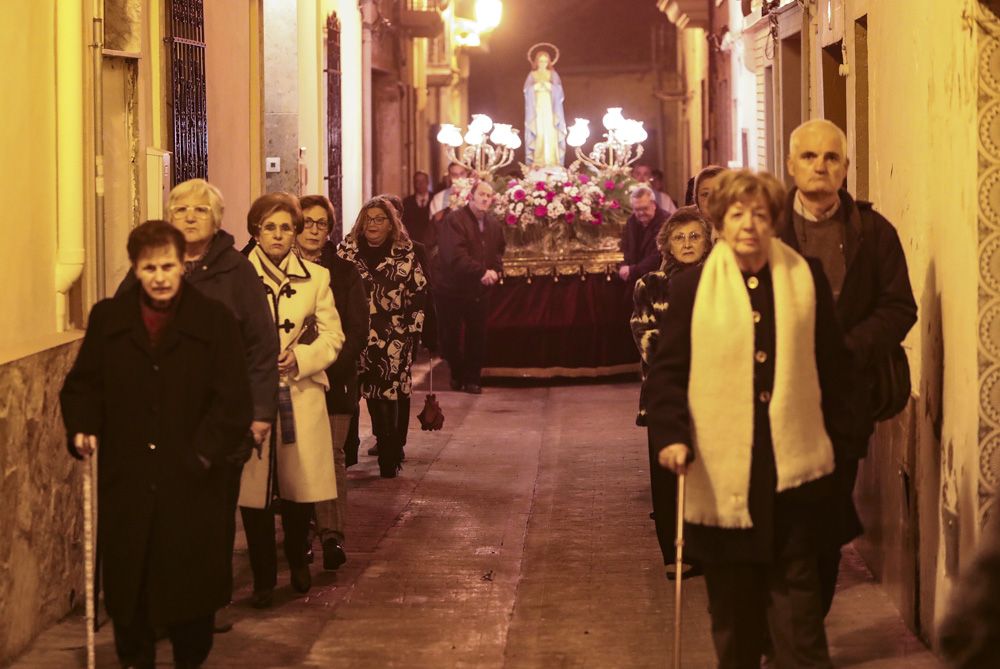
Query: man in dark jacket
(417, 212)
(160, 391)
(641, 256)
(864, 262)
(470, 260)
(220, 272)
(342, 398)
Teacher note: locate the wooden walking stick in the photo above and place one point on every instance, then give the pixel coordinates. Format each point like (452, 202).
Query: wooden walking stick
(89, 476)
(679, 570)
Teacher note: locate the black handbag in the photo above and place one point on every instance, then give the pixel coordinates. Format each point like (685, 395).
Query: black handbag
(890, 385)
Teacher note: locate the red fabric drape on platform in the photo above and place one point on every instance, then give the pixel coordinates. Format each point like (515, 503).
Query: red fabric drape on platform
(570, 323)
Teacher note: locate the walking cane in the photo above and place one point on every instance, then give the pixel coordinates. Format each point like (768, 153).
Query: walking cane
(679, 570)
(89, 476)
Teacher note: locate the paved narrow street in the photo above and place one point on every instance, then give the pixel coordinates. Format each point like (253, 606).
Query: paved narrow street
(518, 536)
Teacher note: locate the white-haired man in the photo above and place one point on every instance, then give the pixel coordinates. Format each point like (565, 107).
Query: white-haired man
(864, 262)
(639, 250)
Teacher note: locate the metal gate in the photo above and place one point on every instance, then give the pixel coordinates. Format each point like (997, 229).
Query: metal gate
(334, 129)
(187, 104)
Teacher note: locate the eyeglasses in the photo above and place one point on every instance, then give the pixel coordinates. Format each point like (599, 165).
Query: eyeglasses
(272, 228)
(680, 238)
(320, 224)
(378, 220)
(199, 210)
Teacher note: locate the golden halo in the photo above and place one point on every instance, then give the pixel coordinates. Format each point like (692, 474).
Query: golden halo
(543, 46)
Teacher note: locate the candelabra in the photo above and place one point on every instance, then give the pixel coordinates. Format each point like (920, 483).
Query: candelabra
(480, 156)
(621, 147)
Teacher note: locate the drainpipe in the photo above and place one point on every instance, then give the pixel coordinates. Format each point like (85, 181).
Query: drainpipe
(368, 14)
(69, 154)
(98, 64)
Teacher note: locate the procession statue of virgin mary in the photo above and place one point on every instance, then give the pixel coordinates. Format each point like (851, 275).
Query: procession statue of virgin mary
(544, 119)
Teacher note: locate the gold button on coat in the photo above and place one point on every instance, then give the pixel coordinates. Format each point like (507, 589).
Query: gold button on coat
(753, 282)
(756, 317)
(760, 356)
(764, 396)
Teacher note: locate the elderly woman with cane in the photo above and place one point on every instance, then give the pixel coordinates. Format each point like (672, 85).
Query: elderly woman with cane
(296, 466)
(160, 391)
(749, 396)
(220, 272)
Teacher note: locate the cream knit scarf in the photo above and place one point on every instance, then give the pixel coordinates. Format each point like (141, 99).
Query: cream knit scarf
(721, 393)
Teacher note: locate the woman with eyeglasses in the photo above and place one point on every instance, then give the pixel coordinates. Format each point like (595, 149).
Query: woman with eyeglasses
(313, 244)
(296, 465)
(383, 253)
(211, 264)
(684, 241)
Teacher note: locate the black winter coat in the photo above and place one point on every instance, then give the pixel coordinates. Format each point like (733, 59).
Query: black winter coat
(875, 307)
(794, 522)
(154, 412)
(352, 304)
(227, 276)
(417, 220)
(465, 253)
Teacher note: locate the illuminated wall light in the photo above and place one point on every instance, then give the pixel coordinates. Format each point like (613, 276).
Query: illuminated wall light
(488, 14)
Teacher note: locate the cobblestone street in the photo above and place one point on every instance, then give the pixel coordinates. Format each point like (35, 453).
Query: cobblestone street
(518, 536)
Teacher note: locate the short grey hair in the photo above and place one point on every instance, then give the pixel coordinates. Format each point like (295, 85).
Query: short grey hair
(815, 124)
(641, 191)
(200, 188)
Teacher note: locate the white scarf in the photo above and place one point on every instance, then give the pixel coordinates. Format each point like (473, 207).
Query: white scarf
(721, 392)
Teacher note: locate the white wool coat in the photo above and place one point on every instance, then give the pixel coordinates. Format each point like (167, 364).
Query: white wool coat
(297, 290)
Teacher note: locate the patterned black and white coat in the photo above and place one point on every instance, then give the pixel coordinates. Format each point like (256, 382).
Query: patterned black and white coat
(397, 291)
(650, 305)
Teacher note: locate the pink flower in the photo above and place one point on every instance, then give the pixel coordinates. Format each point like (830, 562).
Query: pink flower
(550, 196)
(597, 219)
(577, 198)
(583, 178)
(511, 183)
(541, 210)
(519, 195)
(539, 185)
(569, 217)
(615, 205)
(609, 185)
(511, 219)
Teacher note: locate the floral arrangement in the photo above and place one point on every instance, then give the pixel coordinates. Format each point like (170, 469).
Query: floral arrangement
(573, 198)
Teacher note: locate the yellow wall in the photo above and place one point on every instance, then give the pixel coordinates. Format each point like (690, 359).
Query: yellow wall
(28, 173)
(230, 117)
(923, 178)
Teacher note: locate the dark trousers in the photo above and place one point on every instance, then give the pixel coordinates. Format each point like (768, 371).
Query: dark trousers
(462, 324)
(233, 473)
(353, 439)
(262, 546)
(829, 560)
(385, 426)
(663, 486)
(135, 641)
(403, 419)
(749, 602)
